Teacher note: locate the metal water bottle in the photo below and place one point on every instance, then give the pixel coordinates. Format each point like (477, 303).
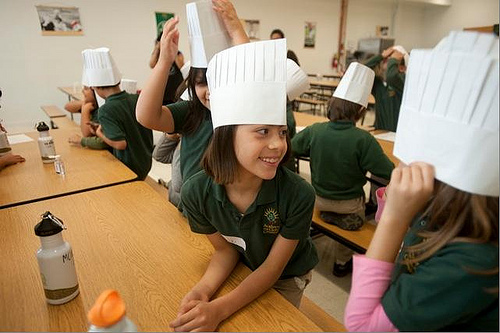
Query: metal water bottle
(45, 143)
(108, 314)
(56, 262)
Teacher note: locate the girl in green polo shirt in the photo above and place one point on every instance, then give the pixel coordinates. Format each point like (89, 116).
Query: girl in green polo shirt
(432, 264)
(189, 118)
(250, 207)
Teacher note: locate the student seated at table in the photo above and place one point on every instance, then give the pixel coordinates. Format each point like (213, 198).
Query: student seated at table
(250, 207)
(88, 121)
(212, 26)
(390, 68)
(131, 142)
(341, 154)
(432, 264)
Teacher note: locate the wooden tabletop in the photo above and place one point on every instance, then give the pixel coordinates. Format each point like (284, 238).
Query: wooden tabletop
(71, 92)
(304, 120)
(129, 238)
(85, 169)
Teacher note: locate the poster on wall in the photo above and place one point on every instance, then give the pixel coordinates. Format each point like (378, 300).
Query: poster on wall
(59, 21)
(161, 19)
(310, 34)
(382, 31)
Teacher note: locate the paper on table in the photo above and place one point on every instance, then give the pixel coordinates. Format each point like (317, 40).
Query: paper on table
(299, 128)
(388, 136)
(18, 138)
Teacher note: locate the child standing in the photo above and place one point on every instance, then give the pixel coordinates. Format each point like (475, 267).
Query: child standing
(341, 154)
(132, 143)
(443, 207)
(249, 206)
(389, 67)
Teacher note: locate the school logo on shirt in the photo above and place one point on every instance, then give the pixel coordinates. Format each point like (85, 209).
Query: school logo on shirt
(272, 224)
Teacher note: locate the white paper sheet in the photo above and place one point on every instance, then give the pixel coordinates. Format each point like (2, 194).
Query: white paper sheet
(389, 136)
(299, 128)
(18, 138)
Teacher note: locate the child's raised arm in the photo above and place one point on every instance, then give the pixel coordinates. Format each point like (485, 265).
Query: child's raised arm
(410, 189)
(149, 110)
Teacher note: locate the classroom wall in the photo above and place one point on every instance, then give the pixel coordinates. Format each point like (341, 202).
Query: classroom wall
(364, 16)
(438, 21)
(32, 65)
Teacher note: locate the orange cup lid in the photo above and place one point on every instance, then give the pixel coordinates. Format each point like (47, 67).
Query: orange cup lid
(108, 309)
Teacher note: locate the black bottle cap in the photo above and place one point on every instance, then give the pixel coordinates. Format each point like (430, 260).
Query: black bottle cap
(49, 225)
(42, 126)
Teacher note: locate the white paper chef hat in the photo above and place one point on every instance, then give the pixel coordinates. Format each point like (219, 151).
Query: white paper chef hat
(356, 84)
(207, 34)
(99, 68)
(449, 113)
(129, 86)
(402, 50)
(247, 84)
(297, 81)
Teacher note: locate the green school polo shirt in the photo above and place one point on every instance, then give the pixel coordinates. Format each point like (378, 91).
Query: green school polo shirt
(284, 205)
(341, 154)
(117, 118)
(442, 293)
(193, 145)
(388, 96)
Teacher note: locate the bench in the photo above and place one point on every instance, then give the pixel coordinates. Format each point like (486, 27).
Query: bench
(358, 240)
(318, 316)
(52, 111)
(63, 122)
(313, 102)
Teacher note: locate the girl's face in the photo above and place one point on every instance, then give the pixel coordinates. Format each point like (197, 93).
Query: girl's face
(203, 94)
(259, 149)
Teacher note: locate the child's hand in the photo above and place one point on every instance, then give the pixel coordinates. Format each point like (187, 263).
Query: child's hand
(9, 159)
(193, 295)
(169, 43)
(201, 316)
(99, 132)
(410, 189)
(75, 139)
(231, 21)
(387, 52)
(227, 12)
(397, 55)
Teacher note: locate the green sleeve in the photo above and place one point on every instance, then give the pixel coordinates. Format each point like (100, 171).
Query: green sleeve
(444, 290)
(179, 112)
(300, 208)
(193, 204)
(374, 61)
(110, 125)
(93, 142)
(393, 77)
(375, 160)
(301, 143)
